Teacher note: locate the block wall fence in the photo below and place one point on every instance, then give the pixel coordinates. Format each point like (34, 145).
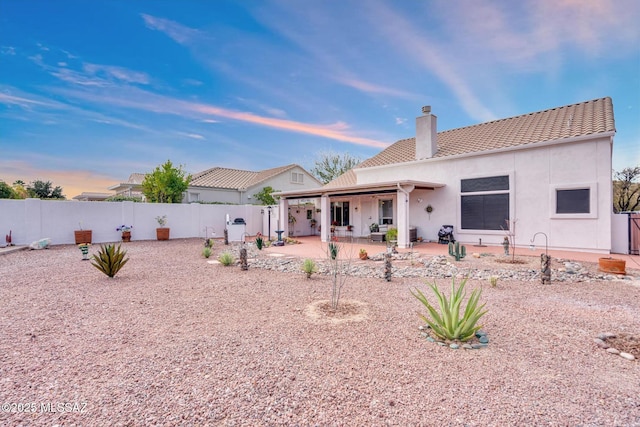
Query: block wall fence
(33, 219)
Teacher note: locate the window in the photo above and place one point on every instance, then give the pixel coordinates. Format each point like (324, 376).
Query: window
(385, 211)
(194, 197)
(340, 213)
(297, 178)
(484, 204)
(574, 201)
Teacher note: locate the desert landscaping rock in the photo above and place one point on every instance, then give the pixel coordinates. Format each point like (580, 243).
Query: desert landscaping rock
(613, 350)
(174, 340)
(628, 356)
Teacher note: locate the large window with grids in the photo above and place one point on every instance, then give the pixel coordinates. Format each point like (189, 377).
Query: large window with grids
(484, 203)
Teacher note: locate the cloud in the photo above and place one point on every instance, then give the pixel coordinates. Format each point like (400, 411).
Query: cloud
(400, 120)
(375, 89)
(112, 72)
(8, 50)
(131, 97)
(178, 32)
(405, 36)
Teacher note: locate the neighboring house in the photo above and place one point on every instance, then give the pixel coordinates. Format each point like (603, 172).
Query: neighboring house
(225, 185)
(546, 172)
(131, 188)
(88, 196)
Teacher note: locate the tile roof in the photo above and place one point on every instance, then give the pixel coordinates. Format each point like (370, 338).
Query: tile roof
(235, 179)
(136, 178)
(582, 119)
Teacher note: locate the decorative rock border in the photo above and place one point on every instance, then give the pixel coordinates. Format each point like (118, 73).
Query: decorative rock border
(601, 341)
(483, 340)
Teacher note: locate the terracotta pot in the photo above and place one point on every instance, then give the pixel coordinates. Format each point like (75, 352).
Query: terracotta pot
(612, 265)
(126, 236)
(82, 236)
(363, 256)
(162, 233)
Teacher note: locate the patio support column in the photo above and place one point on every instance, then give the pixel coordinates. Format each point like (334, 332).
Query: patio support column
(403, 216)
(325, 218)
(283, 216)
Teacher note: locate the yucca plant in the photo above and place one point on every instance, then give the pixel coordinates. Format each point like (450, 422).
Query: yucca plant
(206, 252)
(449, 324)
(110, 259)
(309, 267)
(226, 258)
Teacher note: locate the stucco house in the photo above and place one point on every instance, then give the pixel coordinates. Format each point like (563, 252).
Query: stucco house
(545, 172)
(226, 185)
(131, 188)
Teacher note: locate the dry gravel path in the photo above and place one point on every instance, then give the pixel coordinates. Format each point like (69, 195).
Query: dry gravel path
(174, 340)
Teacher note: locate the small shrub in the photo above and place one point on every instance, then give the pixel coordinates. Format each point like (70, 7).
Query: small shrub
(259, 242)
(334, 248)
(206, 252)
(226, 258)
(448, 324)
(493, 281)
(309, 267)
(110, 259)
(392, 234)
(208, 243)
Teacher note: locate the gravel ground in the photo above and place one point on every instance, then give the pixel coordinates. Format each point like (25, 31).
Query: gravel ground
(175, 340)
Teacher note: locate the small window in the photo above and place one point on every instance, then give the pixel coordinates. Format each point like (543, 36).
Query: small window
(575, 201)
(297, 178)
(194, 197)
(385, 211)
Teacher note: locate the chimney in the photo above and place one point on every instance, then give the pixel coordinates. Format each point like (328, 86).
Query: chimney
(426, 134)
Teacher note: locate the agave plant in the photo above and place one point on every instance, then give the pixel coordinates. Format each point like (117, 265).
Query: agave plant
(110, 259)
(309, 267)
(449, 324)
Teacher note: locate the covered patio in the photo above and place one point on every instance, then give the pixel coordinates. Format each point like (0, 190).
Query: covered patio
(350, 211)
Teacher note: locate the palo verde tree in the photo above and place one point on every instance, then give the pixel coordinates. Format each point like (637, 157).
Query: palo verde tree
(165, 184)
(330, 165)
(626, 190)
(264, 196)
(44, 190)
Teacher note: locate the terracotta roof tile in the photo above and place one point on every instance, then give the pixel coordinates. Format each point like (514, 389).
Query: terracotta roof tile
(235, 179)
(585, 118)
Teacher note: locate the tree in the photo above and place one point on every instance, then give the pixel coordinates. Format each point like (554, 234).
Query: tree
(6, 192)
(165, 184)
(20, 189)
(44, 190)
(626, 190)
(330, 165)
(264, 196)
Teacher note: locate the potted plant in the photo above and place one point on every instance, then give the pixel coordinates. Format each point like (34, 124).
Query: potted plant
(392, 236)
(334, 224)
(162, 232)
(374, 228)
(126, 232)
(349, 227)
(363, 254)
(82, 236)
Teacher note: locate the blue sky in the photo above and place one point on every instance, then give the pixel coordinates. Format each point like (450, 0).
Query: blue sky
(91, 91)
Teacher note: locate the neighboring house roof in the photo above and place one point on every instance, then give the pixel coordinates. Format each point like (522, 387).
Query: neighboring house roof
(236, 179)
(136, 178)
(92, 196)
(571, 121)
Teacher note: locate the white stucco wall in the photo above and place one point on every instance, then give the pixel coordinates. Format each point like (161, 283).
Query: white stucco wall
(34, 219)
(534, 175)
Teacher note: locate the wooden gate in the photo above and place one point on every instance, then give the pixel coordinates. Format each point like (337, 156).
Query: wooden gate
(634, 234)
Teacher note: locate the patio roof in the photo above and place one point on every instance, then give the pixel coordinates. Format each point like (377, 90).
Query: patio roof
(359, 189)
